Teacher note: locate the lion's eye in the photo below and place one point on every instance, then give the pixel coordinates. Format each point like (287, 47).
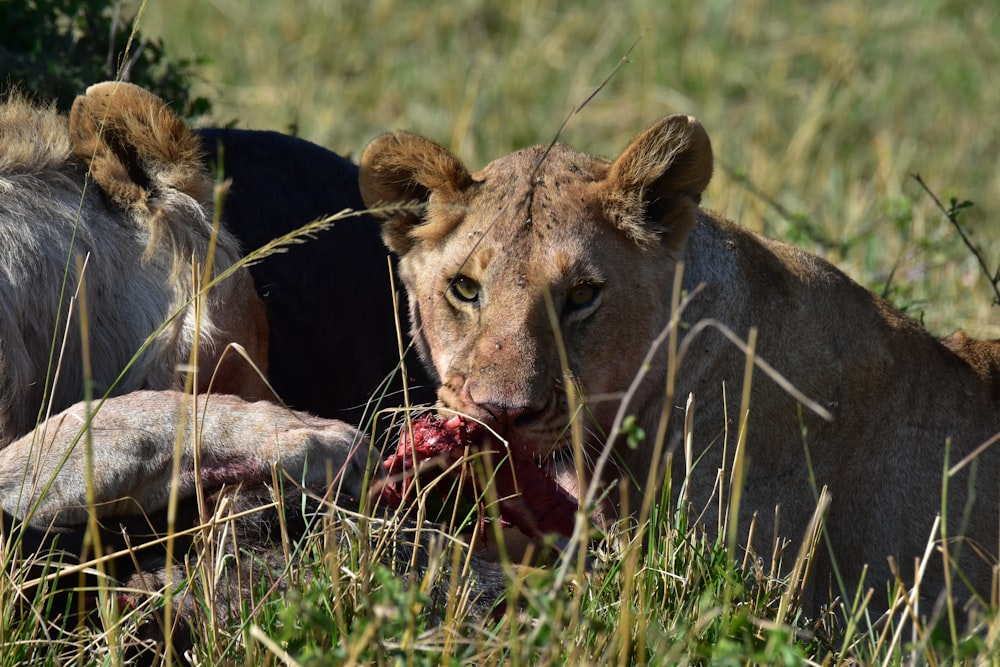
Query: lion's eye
(581, 296)
(465, 289)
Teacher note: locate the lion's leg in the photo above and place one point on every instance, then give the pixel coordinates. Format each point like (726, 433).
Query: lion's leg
(133, 438)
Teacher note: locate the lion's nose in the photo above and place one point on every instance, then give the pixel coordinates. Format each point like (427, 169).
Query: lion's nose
(505, 408)
(508, 415)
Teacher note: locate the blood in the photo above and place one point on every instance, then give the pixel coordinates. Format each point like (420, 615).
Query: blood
(433, 435)
(530, 499)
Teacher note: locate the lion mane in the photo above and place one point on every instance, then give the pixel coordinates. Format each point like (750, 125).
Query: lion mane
(122, 185)
(119, 185)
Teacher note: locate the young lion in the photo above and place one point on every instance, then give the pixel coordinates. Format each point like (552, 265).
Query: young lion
(121, 189)
(550, 268)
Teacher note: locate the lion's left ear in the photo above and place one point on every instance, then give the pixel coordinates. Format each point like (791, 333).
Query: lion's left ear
(135, 146)
(655, 185)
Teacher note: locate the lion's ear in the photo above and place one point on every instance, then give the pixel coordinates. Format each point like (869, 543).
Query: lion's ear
(662, 172)
(134, 145)
(404, 168)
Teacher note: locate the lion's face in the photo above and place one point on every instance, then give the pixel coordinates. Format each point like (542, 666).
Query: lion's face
(538, 284)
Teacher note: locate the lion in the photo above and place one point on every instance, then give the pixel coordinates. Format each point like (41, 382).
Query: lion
(541, 291)
(125, 185)
(121, 186)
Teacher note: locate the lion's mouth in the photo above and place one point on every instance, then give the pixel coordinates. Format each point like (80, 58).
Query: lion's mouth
(530, 494)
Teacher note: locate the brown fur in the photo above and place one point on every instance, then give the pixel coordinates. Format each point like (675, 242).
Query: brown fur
(573, 226)
(983, 356)
(121, 186)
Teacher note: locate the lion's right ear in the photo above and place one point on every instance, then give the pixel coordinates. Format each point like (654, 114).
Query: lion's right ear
(655, 185)
(404, 168)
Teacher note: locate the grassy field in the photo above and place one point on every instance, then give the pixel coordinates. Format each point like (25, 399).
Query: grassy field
(819, 113)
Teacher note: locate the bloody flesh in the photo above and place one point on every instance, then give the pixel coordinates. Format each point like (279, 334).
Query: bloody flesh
(530, 499)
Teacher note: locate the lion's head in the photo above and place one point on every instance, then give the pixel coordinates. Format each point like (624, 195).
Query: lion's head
(546, 269)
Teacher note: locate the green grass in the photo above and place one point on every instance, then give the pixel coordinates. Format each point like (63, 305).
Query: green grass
(826, 108)
(819, 113)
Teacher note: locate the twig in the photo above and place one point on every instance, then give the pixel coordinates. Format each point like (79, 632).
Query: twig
(800, 221)
(624, 60)
(952, 213)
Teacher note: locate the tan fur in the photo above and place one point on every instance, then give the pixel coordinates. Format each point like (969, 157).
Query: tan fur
(564, 223)
(121, 186)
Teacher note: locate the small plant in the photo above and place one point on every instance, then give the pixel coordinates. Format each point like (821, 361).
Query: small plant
(952, 213)
(634, 434)
(54, 49)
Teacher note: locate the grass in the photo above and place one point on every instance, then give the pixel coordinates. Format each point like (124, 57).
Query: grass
(819, 114)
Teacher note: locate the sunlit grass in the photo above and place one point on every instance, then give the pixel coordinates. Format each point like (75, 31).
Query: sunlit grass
(825, 109)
